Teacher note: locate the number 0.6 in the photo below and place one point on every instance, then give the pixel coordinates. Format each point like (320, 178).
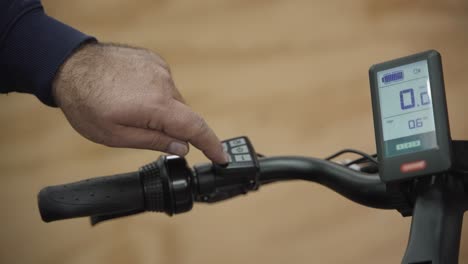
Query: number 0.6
(414, 123)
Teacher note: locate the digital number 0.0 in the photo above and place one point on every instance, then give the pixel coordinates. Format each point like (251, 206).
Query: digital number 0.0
(407, 100)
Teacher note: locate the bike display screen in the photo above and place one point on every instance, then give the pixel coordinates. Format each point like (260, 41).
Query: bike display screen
(406, 109)
(412, 132)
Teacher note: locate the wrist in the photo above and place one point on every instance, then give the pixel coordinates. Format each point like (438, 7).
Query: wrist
(73, 72)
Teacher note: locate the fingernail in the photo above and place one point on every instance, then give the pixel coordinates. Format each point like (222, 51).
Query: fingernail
(177, 148)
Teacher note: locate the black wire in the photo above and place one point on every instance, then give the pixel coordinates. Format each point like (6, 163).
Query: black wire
(360, 160)
(364, 155)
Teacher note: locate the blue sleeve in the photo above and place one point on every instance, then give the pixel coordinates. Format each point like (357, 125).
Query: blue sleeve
(33, 46)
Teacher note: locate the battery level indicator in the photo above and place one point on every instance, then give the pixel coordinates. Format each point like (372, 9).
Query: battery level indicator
(393, 77)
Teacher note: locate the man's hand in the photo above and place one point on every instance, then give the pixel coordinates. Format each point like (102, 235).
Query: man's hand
(125, 97)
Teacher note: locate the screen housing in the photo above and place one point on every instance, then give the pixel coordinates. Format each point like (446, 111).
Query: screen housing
(435, 160)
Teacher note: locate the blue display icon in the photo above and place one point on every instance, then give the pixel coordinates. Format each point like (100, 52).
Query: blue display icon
(393, 77)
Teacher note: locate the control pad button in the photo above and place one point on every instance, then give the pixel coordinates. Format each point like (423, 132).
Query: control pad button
(240, 150)
(237, 142)
(225, 147)
(245, 157)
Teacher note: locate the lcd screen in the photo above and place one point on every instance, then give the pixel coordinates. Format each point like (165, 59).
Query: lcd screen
(406, 109)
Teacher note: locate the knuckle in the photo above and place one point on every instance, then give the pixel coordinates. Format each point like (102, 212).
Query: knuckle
(161, 78)
(160, 61)
(153, 124)
(164, 75)
(159, 105)
(201, 127)
(156, 60)
(165, 65)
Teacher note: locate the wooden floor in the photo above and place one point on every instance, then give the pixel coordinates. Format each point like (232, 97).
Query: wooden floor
(292, 75)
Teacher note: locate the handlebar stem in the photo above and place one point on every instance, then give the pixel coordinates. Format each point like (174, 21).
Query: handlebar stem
(437, 221)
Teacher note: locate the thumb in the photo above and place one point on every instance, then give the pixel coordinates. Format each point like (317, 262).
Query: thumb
(139, 138)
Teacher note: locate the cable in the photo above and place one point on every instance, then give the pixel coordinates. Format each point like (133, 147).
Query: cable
(360, 160)
(365, 155)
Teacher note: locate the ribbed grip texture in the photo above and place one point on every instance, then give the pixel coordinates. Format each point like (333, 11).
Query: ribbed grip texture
(98, 196)
(152, 187)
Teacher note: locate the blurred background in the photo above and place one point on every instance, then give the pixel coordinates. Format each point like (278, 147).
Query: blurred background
(292, 75)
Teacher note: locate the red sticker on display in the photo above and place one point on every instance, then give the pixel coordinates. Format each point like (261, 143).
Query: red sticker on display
(413, 166)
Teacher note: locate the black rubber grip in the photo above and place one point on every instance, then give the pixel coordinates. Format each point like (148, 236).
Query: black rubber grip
(98, 196)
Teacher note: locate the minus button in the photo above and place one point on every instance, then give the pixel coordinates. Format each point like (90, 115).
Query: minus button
(245, 157)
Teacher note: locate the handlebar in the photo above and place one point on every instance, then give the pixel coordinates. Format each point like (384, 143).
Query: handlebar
(363, 188)
(436, 202)
(169, 185)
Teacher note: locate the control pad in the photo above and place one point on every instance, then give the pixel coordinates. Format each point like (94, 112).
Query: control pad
(239, 176)
(239, 150)
(242, 169)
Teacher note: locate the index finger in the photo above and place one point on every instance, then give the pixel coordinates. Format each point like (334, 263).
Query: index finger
(184, 124)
